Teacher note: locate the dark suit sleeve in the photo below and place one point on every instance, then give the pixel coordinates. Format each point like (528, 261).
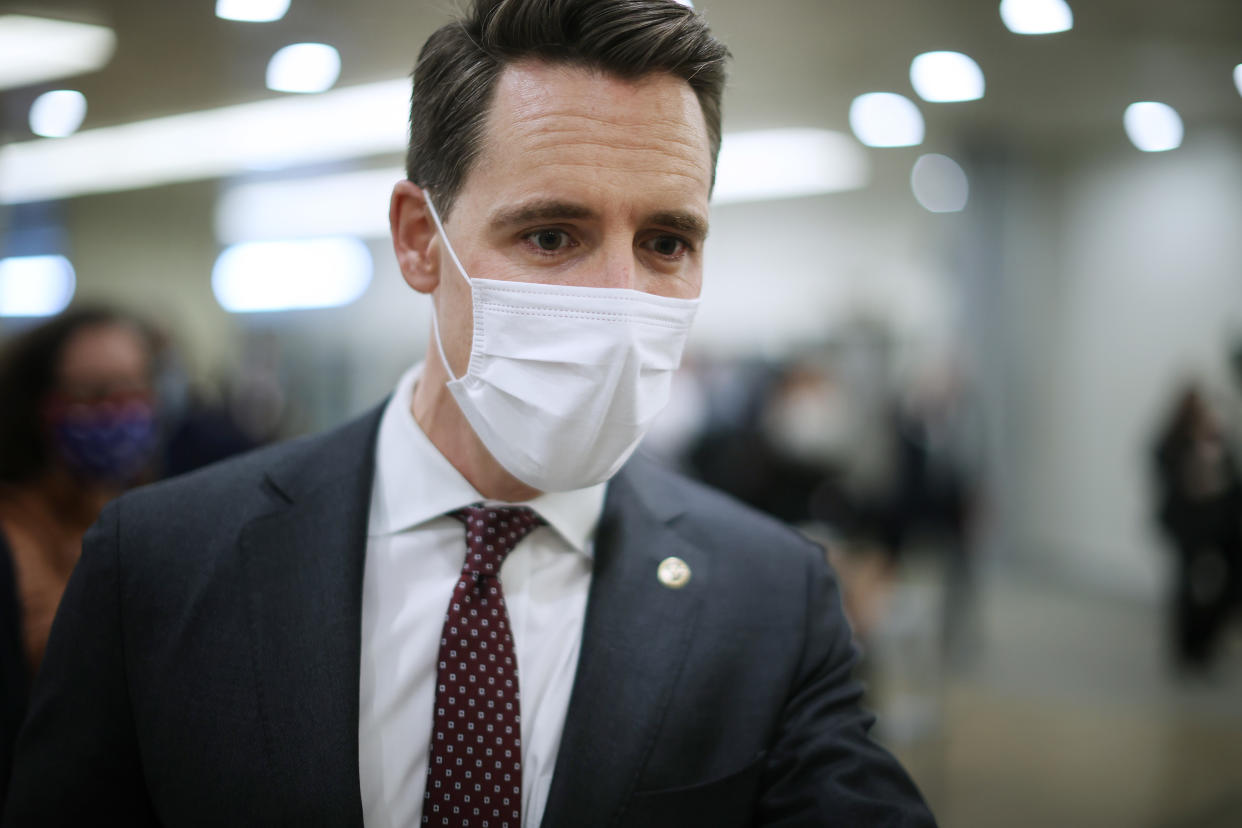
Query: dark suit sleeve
(822, 768)
(77, 759)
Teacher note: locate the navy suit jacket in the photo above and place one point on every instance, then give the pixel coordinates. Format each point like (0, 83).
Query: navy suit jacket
(203, 668)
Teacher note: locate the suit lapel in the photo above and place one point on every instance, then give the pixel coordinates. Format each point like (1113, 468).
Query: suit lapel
(634, 642)
(304, 564)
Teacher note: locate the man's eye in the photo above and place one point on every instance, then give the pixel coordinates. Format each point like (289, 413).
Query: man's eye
(550, 240)
(668, 246)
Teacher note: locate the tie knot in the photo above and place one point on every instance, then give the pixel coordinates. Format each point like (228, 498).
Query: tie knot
(492, 532)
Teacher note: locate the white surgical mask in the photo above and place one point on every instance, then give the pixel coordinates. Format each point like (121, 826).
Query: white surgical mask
(564, 381)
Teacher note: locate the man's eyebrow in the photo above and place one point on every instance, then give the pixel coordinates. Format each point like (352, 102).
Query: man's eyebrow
(689, 223)
(542, 210)
(552, 210)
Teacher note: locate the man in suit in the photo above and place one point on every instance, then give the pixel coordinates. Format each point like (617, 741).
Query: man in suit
(267, 642)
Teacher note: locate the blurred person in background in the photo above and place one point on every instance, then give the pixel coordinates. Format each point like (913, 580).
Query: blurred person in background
(76, 427)
(746, 455)
(936, 488)
(785, 445)
(1200, 508)
(295, 637)
(819, 432)
(196, 428)
(810, 422)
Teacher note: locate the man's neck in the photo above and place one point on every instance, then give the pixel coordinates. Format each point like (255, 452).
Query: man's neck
(440, 418)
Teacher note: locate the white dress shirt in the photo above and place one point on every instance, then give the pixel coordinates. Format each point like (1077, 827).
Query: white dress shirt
(413, 559)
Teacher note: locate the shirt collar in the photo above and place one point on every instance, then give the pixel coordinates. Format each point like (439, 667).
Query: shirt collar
(415, 483)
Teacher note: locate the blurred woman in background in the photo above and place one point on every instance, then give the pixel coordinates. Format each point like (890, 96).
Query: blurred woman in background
(76, 427)
(1200, 508)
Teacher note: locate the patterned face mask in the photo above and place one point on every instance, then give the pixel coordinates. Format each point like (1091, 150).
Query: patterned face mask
(109, 439)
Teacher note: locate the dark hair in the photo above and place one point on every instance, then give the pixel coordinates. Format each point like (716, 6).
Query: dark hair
(459, 64)
(29, 365)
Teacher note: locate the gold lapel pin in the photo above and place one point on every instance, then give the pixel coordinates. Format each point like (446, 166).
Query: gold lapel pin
(674, 573)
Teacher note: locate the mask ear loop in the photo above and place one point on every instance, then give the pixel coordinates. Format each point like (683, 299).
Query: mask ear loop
(435, 315)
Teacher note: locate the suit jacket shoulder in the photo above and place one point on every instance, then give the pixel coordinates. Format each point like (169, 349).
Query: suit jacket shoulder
(189, 512)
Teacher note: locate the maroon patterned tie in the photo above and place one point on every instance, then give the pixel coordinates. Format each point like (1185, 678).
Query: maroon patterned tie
(474, 767)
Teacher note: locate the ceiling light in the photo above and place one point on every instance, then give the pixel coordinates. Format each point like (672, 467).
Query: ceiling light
(36, 49)
(304, 67)
(1237, 77)
(351, 122)
(1153, 127)
(946, 76)
(783, 163)
(886, 119)
(344, 204)
(252, 11)
(57, 114)
(1036, 17)
(291, 275)
(35, 285)
(939, 184)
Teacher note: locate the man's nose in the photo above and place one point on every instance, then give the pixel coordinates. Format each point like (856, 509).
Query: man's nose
(620, 266)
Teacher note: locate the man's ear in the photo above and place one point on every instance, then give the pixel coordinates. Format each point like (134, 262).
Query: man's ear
(413, 232)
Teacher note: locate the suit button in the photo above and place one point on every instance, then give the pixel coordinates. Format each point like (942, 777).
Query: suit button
(674, 573)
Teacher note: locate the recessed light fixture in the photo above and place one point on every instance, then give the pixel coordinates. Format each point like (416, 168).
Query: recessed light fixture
(886, 119)
(941, 77)
(785, 163)
(1153, 126)
(351, 203)
(291, 275)
(35, 285)
(57, 114)
(252, 11)
(939, 184)
(37, 49)
(351, 122)
(1036, 17)
(304, 67)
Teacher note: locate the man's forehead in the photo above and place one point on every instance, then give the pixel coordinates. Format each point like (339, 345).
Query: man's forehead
(550, 121)
(529, 91)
